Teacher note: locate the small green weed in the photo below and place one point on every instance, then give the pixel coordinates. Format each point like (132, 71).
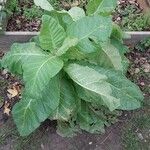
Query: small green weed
(134, 22)
(12, 6)
(133, 19)
(144, 45)
(32, 13)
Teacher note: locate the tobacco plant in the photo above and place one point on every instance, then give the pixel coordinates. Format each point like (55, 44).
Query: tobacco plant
(73, 71)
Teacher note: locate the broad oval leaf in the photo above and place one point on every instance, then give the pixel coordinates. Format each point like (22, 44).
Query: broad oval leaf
(36, 66)
(88, 28)
(129, 94)
(105, 7)
(19, 54)
(30, 112)
(52, 34)
(38, 71)
(44, 4)
(93, 81)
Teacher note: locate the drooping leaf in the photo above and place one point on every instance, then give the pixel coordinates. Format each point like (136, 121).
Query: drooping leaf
(89, 121)
(95, 82)
(76, 13)
(44, 4)
(68, 102)
(103, 7)
(30, 112)
(52, 35)
(88, 28)
(129, 94)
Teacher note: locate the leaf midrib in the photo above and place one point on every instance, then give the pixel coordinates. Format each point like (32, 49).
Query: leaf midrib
(99, 7)
(86, 36)
(39, 71)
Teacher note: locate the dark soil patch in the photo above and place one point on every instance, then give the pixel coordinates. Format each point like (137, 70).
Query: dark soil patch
(139, 71)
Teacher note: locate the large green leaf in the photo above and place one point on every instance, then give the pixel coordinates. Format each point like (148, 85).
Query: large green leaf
(90, 28)
(30, 112)
(38, 66)
(52, 35)
(38, 71)
(105, 7)
(95, 82)
(111, 54)
(19, 54)
(44, 4)
(68, 102)
(129, 94)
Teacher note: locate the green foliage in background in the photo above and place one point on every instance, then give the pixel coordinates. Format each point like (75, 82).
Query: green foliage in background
(144, 45)
(133, 19)
(32, 13)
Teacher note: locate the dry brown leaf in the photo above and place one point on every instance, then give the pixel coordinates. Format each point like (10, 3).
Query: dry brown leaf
(7, 109)
(12, 92)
